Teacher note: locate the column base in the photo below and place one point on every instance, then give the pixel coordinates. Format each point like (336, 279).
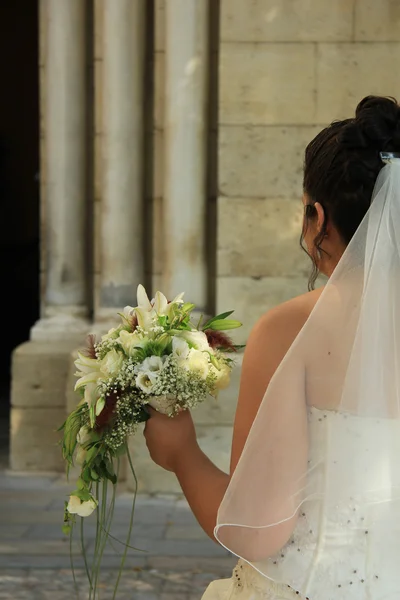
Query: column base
(61, 326)
(38, 405)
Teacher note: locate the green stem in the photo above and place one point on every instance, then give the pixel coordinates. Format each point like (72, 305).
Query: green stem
(130, 523)
(123, 543)
(71, 556)
(92, 591)
(102, 538)
(83, 549)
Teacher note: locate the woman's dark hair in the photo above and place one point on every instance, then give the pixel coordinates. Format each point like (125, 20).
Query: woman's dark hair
(342, 164)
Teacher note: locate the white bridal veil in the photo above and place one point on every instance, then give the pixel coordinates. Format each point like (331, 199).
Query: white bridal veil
(345, 365)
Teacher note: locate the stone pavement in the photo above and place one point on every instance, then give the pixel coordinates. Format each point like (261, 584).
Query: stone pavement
(176, 562)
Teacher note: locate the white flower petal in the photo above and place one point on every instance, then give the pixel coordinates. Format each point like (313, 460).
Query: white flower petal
(145, 381)
(142, 298)
(83, 509)
(88, 378)
(86, 361)
(178, 299)
(152, 364)
(180, 347)
(160, 303)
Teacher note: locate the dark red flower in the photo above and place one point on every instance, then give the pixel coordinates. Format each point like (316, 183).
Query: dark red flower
(108, 411)
(219, 339)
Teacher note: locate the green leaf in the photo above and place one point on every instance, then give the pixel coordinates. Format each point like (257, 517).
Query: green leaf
(92, 416)
(120, 451)
(92, 453)
(66, 529)
(71, 428)
(106, 473)
(83, 494)
(86, 475)
(187, 307)
(80, 484)
(232, 349)
(95, 476)
(224, 324)
(214, 362)
(151, 348)
(218, 318)
(100, 405)
(142, 416)
(162, 320)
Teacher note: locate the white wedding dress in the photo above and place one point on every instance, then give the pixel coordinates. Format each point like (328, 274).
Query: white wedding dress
(344, 561)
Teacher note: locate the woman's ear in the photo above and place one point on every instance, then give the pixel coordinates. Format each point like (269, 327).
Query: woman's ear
(321, 217)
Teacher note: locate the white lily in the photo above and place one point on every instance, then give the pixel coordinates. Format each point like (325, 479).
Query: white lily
(91, 394)
(160, 303)
(88, 370)
(128, 311)
(146, 311)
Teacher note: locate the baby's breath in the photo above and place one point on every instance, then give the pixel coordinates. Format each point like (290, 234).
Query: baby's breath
(188, 387)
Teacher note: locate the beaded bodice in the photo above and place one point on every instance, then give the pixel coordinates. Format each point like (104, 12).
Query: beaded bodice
(334, 553)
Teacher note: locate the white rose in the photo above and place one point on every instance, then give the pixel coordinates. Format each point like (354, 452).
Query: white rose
(223, 377)
(110, 333)
(80, 456)
(83, 509)
(163, 404)
(198, 339)
(83, 436)
(145, 381)
(112, 363)
(129, 341)
(180, 348)
(197, 362)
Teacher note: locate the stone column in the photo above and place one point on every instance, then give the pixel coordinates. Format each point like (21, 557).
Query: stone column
(64, 112)
(186, 52)
(40, 367)
(122, 261)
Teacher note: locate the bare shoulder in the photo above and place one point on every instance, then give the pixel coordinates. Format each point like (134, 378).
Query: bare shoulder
(269, 341)
(283, 322)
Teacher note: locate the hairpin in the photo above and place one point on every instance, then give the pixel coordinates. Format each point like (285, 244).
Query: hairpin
(390, 157)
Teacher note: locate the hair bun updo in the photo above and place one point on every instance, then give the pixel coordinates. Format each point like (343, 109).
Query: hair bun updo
(376, 125)
(343, 162)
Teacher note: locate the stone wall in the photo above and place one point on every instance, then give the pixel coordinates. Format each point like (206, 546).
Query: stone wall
(287, 69)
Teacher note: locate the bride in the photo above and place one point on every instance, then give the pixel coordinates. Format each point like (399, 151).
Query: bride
(311, 505)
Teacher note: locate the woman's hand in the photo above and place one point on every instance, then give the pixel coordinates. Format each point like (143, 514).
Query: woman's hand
(169, 439)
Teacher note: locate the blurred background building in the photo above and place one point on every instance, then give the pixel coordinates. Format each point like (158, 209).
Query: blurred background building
(160, 142)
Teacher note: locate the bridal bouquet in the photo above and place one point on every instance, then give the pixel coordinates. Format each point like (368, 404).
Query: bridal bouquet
(155, 357)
